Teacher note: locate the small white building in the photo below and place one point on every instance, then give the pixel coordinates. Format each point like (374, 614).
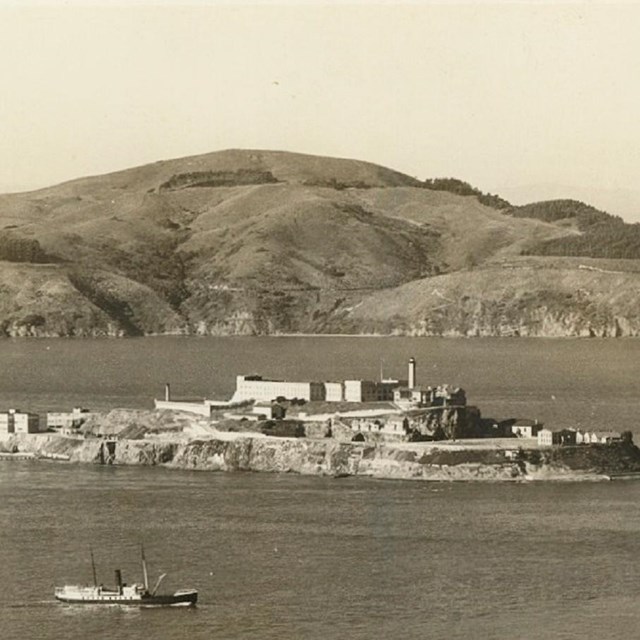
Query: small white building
(548, 437)
(583, 436)
(16, 421)
(67, 421)
(269, 410)
(608, 437)
(597, 437)
(7, 425)
(525, 428)
(440, 396)
(25, 422)
(200, 408)
(381, 424)
(412, 397)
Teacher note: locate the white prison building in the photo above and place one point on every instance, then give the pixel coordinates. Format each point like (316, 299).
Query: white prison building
(256, 388)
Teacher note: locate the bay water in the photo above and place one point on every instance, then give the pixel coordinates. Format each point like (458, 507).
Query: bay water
(284, 556)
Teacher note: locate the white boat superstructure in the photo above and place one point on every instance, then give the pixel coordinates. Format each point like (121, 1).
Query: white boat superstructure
(77, 593)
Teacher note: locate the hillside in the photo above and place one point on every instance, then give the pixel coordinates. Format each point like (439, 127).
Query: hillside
(519, 297)
(601, 234)
(245, 242)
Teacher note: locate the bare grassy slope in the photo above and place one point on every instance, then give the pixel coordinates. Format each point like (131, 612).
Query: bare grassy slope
(470, 232)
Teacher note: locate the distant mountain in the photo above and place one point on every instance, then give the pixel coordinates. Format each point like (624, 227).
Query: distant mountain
(255, 242)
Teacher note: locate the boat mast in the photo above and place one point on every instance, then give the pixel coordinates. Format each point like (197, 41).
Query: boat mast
(160, 579)
(144, 569)
(93, 568)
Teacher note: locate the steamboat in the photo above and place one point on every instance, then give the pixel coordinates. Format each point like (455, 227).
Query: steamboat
(122, 594)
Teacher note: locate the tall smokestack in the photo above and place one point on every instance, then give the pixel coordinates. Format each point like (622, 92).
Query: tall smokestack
(119, 581)
(167, 392)
(412, 373)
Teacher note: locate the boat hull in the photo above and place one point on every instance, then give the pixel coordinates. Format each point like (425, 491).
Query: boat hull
(180, 599)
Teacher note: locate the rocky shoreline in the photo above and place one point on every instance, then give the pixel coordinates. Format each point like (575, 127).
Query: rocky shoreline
(327, 457)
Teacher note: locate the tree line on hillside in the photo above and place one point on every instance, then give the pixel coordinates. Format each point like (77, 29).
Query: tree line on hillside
(461, 188)
(584, 215)
(602, 234)
(604, 240)
(451, 185)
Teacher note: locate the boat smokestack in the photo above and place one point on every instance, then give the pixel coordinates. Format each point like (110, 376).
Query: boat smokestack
(412, 373)
(119, 581)
(93, 568)
(167, 392)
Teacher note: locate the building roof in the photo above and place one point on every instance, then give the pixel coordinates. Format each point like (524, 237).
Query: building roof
(526, 423)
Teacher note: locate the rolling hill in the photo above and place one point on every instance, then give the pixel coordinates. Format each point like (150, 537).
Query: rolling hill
(254, 242)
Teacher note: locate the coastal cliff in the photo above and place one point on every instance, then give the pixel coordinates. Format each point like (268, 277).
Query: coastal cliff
(407, 461)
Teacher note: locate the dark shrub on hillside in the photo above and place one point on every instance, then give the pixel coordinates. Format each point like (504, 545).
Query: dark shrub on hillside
(218, 179)
(14, 248)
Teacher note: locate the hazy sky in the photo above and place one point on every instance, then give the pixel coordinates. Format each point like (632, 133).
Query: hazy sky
(501, 95)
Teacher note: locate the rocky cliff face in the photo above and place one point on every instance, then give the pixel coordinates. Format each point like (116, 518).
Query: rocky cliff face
(330, 458)
(521, 297)
(447, 423)
(272, 455)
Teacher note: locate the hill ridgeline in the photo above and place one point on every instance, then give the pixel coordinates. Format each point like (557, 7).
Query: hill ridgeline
(260, 242)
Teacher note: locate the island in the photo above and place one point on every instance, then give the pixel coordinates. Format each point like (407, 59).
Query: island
(395, 429)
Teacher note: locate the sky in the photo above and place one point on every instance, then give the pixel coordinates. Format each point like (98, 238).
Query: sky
(521, 99)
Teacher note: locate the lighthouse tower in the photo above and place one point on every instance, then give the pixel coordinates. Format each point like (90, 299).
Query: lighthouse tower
(412, 373)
